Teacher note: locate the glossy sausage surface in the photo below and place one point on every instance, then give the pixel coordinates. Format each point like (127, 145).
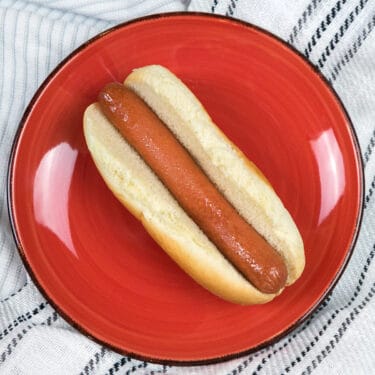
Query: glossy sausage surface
(238, 241)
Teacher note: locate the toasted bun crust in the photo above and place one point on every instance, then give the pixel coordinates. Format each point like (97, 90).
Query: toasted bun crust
(135, 185)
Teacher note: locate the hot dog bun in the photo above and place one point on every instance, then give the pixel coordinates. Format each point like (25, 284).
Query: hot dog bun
(135, 185)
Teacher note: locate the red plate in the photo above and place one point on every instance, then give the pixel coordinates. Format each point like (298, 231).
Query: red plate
(95, 262)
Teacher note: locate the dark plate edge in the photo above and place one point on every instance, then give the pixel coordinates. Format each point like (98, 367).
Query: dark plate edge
(219, 359)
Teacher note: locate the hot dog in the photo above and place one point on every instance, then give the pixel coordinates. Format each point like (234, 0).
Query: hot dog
(216, 216)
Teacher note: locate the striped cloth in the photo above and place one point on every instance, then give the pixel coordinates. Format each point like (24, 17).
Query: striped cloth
(337, 36)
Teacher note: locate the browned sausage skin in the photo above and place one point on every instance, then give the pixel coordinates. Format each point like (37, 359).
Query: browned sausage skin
(249, 252)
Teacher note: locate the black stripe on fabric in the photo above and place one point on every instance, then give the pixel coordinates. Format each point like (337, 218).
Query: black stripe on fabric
(20, 335)
(135, 368)
(231, 7)
(369, 149)
(353, 49)
(340, 332)
(163, 370)
(242, 366)
(15, 293)
(117, 365)
(323, 26)
(22, 318)
(94, 361)
(370, 192)
(343, 28)
(214, 5)
(303, 19)
(122, 362)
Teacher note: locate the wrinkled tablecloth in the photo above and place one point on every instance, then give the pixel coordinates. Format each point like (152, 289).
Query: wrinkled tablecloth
(335, 35)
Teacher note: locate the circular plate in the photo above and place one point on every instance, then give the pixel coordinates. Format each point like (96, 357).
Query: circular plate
(95, 262)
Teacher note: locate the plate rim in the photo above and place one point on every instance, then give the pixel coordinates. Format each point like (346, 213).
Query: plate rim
(233, 355)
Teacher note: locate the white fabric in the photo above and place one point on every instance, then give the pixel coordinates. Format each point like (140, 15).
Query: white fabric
(337, 36)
